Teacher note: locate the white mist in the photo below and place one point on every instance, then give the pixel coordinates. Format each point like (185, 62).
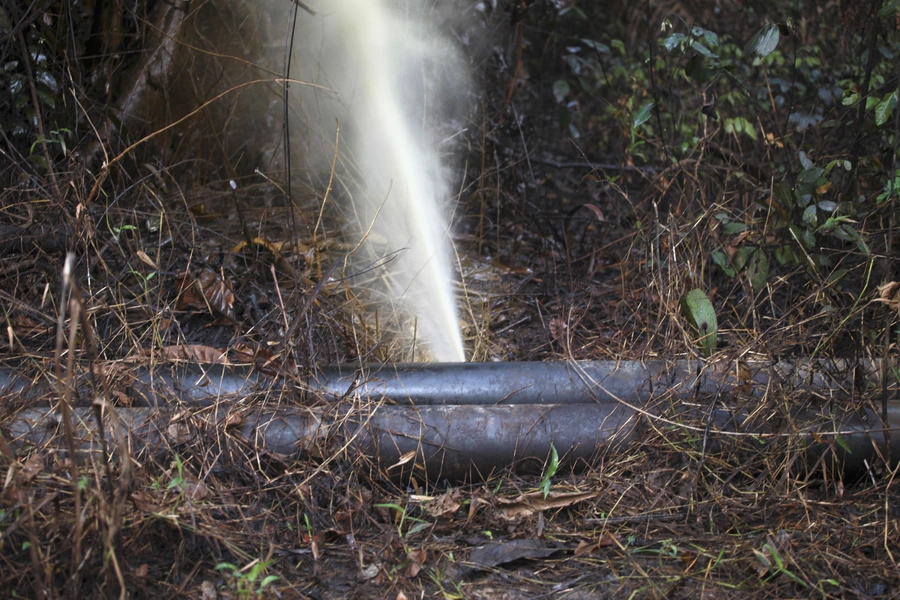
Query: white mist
(394, 74)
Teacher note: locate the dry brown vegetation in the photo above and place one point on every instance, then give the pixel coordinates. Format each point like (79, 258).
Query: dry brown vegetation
(568, 249)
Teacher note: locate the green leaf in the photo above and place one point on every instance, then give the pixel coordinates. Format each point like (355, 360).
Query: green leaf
(642, 115)
(785, 255)
(843, 444)
(673, 41)
(810, 175)
(733, 228)
(884, 108)
(696, 70)
(561, 89)
(710, 37)
(889, 7)
(758, 269)
(845, 233)
(809, 239)
(809, 216)
(741, 256)
(598, 46)
(783, 195)
(699, 312)
(850, 99)
(574, 12)
(721, 261)
(764, 41)
(550, 471)
(702, 49)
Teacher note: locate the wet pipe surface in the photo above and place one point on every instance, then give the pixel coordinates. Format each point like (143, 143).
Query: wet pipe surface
(465, 420)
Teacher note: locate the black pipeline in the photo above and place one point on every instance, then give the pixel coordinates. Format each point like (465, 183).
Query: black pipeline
(467, 420)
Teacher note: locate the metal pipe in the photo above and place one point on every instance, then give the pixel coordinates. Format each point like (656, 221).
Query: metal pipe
(586, 381)
(457, 442)
(465, 421)
(488, 384)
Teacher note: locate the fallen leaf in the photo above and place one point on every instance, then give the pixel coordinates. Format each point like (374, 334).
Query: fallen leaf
(417, 561)
(585, 548)
(146, 260)
(192, 353)
(888, 294)
(597, 212)
(498, 553)
(205, 291)
(533, 502)
(405, 458)
(445, 504)
(369, 572)
(31, 467)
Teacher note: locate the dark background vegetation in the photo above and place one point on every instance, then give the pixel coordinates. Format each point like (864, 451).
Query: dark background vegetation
(616, 156)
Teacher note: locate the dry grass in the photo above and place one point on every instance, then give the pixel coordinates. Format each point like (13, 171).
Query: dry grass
(546, 279)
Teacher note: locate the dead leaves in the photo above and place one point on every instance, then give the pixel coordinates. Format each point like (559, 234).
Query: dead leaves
(240, 353)
(205, 291)
(534, 502)
(193, 353)
(889, 294)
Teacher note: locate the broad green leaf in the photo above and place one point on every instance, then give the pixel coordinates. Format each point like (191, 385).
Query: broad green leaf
(733, 228)
(642, 115)
(764, 41)
(710, 37)
(741, 256)
(721, 261)
(696, 70)
(810, 175)
(889, 7)
(702, 49)
(574, 12)
(809, 216)
(783, 195)
(699, 312)
(758, 269)
(846, 233)
(673, 41)
(598, 46)
(805, 161)
(785, 255)
(560, 90)
(884, 108)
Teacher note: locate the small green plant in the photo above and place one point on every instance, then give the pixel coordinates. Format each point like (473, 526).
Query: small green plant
(244, 581)
(549, 471)
(419, 524)
(773, 564)
(665, 548)
(177, 482)
(144, 280)
(57, 136)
